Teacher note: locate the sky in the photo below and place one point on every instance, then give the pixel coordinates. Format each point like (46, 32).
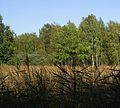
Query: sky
(30, 15)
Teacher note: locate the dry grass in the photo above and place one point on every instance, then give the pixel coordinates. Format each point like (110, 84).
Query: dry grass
(13, 74)
(59, 87)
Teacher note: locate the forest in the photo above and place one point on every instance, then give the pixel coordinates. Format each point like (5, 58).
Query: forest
(65, 66)
(92, 43)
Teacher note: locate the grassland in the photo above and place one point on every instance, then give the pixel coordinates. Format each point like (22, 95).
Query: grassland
(59, 87)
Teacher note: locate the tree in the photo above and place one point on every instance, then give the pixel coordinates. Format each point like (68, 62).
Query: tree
(29, 45)
(90, 36)
(66, 44)
(6, 42)
(110, 43)
(45, 35)
(26, 43)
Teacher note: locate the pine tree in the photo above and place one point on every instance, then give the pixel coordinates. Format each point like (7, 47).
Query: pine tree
(6, 42)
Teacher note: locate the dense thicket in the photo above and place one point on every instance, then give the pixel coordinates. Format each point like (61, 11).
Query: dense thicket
(92, 43)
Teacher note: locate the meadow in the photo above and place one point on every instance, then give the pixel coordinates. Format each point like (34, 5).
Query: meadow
(24, 86)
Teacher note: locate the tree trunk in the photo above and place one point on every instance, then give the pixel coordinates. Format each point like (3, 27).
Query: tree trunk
(93, 62)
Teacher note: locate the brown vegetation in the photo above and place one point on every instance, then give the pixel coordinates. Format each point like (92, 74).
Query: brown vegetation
(59, 87)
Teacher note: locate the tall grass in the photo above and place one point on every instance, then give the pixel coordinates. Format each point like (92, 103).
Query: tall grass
(61, 87)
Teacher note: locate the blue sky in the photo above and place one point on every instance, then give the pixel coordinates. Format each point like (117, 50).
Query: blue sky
(30, 15)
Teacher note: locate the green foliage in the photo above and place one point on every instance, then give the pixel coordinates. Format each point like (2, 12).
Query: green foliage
(26, 43)
(66, 43)
(92, 43)
(6, 43)
(90, 36)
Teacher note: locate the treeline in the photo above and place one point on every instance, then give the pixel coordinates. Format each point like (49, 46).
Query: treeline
(91, 43)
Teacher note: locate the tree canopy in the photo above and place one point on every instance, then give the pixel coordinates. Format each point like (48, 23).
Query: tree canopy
(92, 43)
